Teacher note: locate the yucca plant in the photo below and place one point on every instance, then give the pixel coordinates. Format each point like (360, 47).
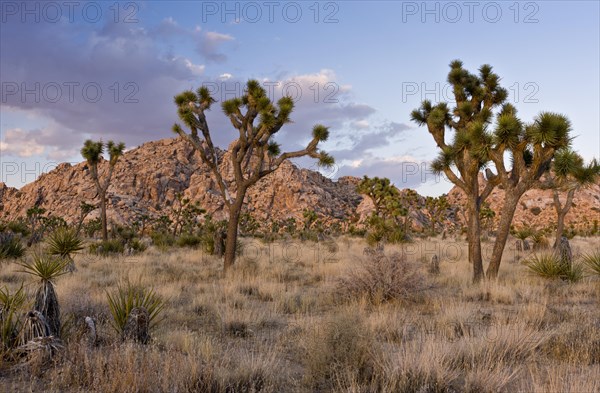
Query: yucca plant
(592, 262)
(10, 246)
(10, 306)
(128, 297)
(46, 268)
(550, 265)
(64, 242)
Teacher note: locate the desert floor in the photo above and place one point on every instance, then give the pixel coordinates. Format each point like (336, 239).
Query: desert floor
(283, 322)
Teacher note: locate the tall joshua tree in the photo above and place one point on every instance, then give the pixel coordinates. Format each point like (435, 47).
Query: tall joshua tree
(92, 152)
(568, 174)
(476, 97)
(254, 154)
(478, 143)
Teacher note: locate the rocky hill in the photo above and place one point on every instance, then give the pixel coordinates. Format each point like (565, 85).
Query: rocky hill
(147, 179)
(536, 207)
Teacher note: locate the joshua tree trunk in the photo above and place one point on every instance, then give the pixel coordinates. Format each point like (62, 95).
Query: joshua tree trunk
(103, 216)
(474, 235)
(561, 213)
(508, 212)
(235, 210)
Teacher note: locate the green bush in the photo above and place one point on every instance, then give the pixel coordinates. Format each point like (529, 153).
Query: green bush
(18, 227)
(549, 265)
(137, 245)
(10, 246)
(162, 240)
(189, 240)
(106, 248)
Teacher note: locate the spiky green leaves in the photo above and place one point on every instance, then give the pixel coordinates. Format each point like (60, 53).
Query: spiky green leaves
(184, 98)
(325, 160)
(273, 149)
(63, 242)
(444, 160)
(232, 106)
(46, 267)
(92, 151)
(204, 98)
(320, 133)
(550, 130)
(508, 130)
(115, 150)
(568, 165)
(127, 297)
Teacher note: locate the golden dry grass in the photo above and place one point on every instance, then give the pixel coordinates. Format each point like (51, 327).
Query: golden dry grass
(278, 324)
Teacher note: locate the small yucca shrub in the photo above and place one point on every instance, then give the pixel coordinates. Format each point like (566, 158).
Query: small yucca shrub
(64, 242)
(47, 268)
(550, 265)
(592, 262)
(10, 246)
(128, 297)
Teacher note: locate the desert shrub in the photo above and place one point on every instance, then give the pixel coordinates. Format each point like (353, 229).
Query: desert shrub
(383, 278)
(91, 227)
(128, 297)
(550, 265)
(188, 240)
(137, 245)
(107, 248)
(162, 240)
(18, 227)
(592, 262)
(539, 239)
(10, 246)
(338, 351)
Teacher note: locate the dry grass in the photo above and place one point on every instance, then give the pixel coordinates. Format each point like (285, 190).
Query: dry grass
(279, 324)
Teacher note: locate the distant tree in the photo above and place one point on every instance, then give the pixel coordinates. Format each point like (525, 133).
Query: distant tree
(92, 153)
(254, 154)
(477, 144)
(35, 216)
(84, 210)
(568, 174)
(436, 208)
(390, 219)
(184, 213)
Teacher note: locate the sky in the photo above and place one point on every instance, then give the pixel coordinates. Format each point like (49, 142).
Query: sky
(70, 71)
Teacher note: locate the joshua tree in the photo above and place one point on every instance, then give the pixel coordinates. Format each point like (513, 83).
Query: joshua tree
(253, 155)
(569, 174)
(84, 210)
(34, 215)
(92, 152)
(436, 209)
(476, 145)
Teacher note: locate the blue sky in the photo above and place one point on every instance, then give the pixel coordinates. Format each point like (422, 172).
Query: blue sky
(110, 72)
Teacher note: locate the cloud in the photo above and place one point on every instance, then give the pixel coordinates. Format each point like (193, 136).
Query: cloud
(404, 171)
(28, 143)
(209, 44)
(115, 82)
